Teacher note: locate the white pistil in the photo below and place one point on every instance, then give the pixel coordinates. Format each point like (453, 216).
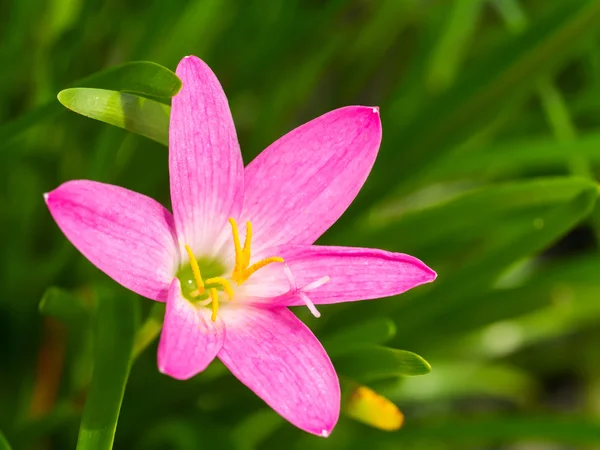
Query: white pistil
(302, 291)
(309, 304)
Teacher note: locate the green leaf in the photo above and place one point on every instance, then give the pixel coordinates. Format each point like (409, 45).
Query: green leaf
(376, 362)
(503, 78)
(114, 330)
(449, 52)
(131, 112)
(4, 445)
(141, 77)
(514, 157)
(365, 333)
(506, 246)
(456, 380)
(412, 231)
(564, 429)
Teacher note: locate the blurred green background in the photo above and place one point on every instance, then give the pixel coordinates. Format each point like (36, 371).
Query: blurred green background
(491, 147)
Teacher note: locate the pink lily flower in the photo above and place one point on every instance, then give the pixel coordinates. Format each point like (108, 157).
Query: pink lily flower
(228, 300)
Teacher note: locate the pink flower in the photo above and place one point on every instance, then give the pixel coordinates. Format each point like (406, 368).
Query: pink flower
(228, 299)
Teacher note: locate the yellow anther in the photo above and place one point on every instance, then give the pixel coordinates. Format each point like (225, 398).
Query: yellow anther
(243, 270)
(224, 283)
(195, 269)
(259, 265)
(214, 296)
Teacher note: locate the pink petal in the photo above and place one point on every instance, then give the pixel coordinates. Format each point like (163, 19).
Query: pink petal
(354, 274)
(205, 162)
(281, 360)
(303, 182)
(127, 235)
(190, 340)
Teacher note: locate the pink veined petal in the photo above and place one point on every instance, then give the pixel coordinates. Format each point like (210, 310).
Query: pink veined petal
(190, 340)
(127, 235)
(303, 182)
(205, 163)
(354, 274)
(273, 353)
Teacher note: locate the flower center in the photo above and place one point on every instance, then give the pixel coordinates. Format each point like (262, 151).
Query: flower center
(204, 291)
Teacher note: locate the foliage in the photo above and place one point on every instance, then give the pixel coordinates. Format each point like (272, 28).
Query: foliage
(486, 172)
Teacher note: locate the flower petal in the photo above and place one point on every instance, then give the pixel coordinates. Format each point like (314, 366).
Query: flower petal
(354, 274)
(303, 182)
(205, 163)
(273, 353)
(127, 235)
(190, 340)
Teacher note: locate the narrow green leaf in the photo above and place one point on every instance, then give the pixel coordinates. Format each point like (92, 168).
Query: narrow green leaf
(4, 445)
(452, 45)
(514, 157)
(365, 333)
(131, 112)
(114, 330)
(477, 429)
(505, 77)
(412, 231)
(141, 77)
(456, 380)
(376, 362)
(508, 245)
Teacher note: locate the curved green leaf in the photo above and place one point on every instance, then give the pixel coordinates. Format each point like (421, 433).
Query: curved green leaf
(142, 77)
(140, 115)
(376, 362)
(365, 333)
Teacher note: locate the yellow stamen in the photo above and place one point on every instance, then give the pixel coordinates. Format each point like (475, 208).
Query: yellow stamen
(248, 240)
(224, 283)
(214, 296)
(243, 270)
(195, 269)
(259, 265)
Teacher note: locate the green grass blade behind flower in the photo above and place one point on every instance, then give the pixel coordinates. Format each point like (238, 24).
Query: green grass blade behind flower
(140, 115)
(505, 78)
(479, 429)
(415, 230)
(454, 379)
(505, 246)
(365, 333)
(4, 445)
(566, 289)
(449, 51)
(569, 308)
(376, 362)
(513, 157)
(141, 77)
(115, 325)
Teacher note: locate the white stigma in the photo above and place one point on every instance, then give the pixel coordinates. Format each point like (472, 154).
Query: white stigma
(325, 433)
(302, 291)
